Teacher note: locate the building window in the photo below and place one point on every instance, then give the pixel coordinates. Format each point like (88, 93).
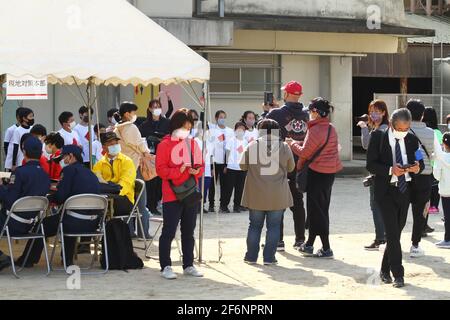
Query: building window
(244, 79)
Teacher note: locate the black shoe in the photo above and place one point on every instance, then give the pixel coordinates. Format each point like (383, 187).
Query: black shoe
(280, 246)
(385, 278)
(5, 262)
(156, 212)
(298, 244)
(375, 245)
(399, 282)
(205, 209)
(224, 210)
(428, 229)
(424, 234)
(244, 209)
(211, 209)
(237, 209)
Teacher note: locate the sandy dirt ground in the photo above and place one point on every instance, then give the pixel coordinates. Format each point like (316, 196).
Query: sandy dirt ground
(351, 275)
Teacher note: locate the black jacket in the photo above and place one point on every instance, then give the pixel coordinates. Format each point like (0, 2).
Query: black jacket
(379, 160)
(292, 120)
(154, 131)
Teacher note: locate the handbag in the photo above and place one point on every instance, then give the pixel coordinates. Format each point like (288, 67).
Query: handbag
(187, 193)
(302, 176)
(147, 166)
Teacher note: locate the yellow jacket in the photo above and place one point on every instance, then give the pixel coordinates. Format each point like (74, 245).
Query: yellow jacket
(123, 173)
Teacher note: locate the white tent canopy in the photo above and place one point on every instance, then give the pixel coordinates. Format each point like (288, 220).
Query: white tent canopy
(109, 41)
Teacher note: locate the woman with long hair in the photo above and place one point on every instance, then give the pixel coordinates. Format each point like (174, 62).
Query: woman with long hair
(378, 120)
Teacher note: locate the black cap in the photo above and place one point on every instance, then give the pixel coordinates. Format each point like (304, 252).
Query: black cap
(108, 136)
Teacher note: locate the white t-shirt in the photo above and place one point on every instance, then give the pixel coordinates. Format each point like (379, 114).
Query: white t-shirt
(97, 150)
(251, 135)
(209, 151)
(219, 137)
(8, 136)
(236, 147)
(82, 132)
(70, 137)
(17, 135)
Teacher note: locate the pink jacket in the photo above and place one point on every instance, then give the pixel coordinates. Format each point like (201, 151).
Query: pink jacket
(328, 161)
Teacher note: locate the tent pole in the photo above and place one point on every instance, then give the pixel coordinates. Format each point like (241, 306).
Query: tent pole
(90, 102)
(200, 236)
(2, 101)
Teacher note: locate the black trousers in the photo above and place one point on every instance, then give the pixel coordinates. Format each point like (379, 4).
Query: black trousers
(419, 199)
(298, 211)
(122, 206)
(394, 209)
(154, 193)
(50, 228)
(446, 207)
(234, 180)
(318, 197)
(219, 175)
(173, 213)
(435, 197)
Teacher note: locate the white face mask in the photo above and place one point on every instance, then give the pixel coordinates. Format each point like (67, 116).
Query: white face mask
(133, 119)
(157, 112)
(448, 126)
(72, 125)
(399, 134)
(48, 149)
(181, 133)
(113, 121)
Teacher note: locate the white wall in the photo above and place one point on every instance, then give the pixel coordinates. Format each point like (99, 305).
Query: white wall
(165, 8)
(392, 11)
(341, 98)
(304, 69)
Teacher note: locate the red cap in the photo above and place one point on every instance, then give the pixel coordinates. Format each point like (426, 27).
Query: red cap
(293, 87)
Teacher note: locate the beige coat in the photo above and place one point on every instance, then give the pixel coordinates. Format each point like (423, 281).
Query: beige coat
(131, 141)
(266, 186)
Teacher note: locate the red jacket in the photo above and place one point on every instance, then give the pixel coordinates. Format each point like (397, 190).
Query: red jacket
(170, 156)
(55, 168)
(328, 161)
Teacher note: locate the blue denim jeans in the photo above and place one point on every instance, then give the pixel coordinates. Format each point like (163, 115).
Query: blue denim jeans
(273, 224)
(377, 217)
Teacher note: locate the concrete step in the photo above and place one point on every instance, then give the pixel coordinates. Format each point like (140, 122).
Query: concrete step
(353, 168)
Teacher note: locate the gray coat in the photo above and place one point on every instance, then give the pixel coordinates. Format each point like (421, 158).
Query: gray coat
(266, 186)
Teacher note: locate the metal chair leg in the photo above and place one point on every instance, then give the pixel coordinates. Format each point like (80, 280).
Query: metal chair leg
(54, 246)
(13, 266)
(147, 254)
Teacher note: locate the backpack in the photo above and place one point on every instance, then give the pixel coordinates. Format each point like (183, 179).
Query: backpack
(120, 247)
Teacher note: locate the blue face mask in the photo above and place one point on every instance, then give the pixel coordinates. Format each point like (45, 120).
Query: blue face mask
(114, 150)
(221, 122)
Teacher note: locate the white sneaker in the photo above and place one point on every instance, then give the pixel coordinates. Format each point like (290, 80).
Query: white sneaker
(192, 271)
(168, 273)
(443, 244)
(416, 252)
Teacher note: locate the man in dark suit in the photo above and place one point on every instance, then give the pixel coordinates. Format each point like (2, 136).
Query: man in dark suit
(394, 158)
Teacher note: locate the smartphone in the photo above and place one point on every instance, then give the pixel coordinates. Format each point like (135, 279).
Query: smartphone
(407, 166)
(268, 98)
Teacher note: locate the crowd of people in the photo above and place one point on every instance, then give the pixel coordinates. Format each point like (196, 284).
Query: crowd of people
(264, 164)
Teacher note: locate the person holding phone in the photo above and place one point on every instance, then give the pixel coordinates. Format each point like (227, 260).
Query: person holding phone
(388, 153)
(378, 119)
(269, 104)
(175, 164)
(154, 129)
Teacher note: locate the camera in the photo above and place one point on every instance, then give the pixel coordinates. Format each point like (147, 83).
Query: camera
(368, 181)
